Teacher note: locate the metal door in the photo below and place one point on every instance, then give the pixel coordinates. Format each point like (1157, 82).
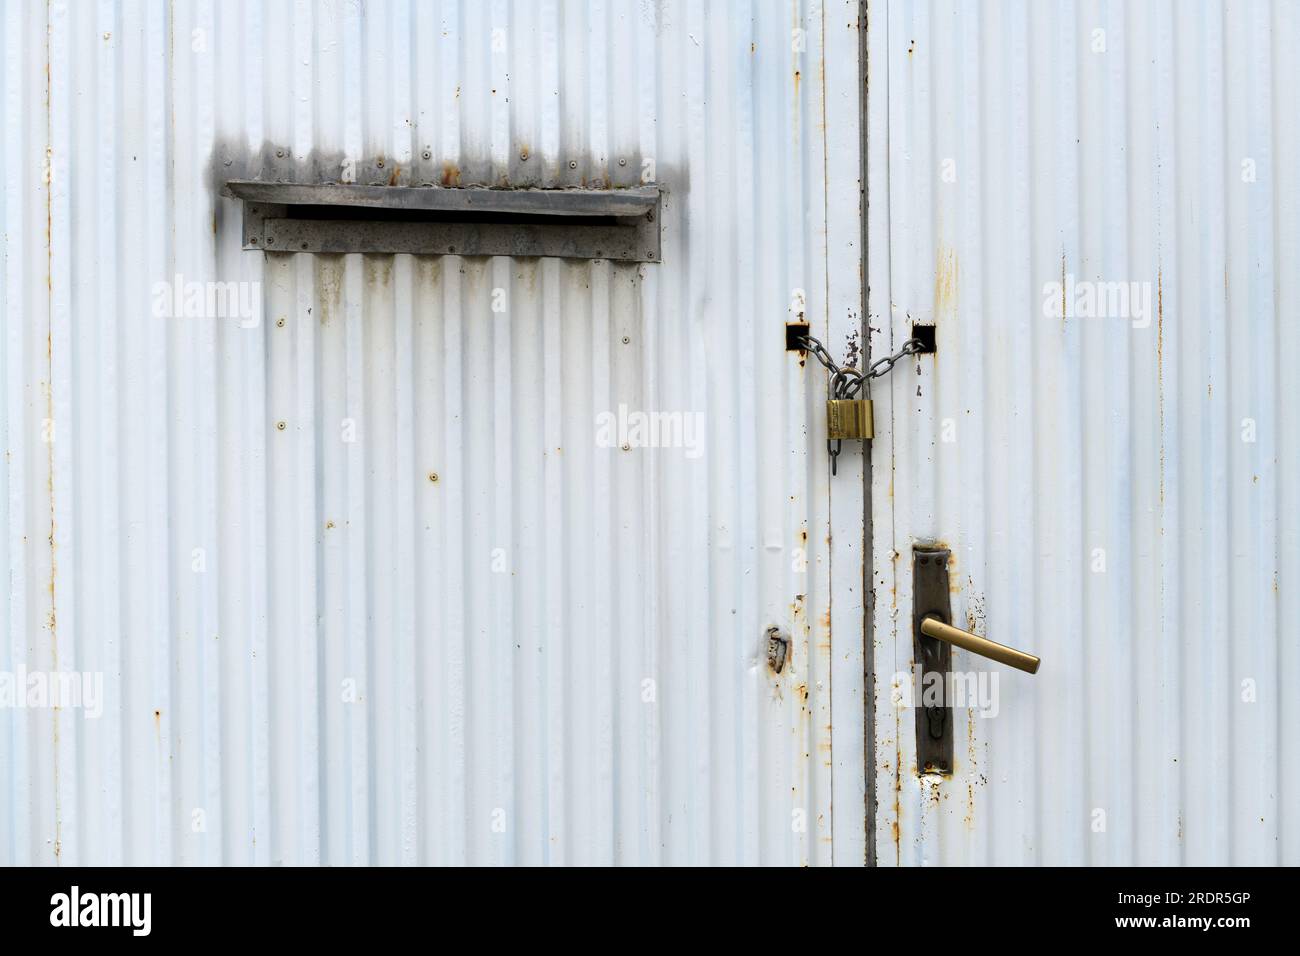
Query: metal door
(389, 569)
(1095, 205)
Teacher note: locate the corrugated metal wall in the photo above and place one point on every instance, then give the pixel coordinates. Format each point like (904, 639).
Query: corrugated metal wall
(1121, 497)
(386, 488)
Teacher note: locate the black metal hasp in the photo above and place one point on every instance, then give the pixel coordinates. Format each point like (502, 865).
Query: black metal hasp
(616, 224)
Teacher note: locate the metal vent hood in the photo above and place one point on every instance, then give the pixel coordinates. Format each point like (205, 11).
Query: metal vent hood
(615, 224)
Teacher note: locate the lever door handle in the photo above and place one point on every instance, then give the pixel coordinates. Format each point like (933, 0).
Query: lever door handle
(933, 627)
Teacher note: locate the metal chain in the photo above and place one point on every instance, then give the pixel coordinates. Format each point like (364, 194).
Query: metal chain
(846, 382)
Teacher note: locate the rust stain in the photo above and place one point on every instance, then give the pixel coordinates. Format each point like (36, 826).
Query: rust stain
(970, 769)
(1063, 288)
(49, 407)
(976, 614)
(898, 790)
(795, 118)
(945, 281)
(450, 174)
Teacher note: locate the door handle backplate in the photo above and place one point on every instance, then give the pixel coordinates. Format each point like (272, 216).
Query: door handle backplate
(933, 636)
(933, 659)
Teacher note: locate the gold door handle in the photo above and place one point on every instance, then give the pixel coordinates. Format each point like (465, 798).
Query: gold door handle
(933, 627)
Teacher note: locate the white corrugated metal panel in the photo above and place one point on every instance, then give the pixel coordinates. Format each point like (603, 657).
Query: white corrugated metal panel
(1119, 492)
(385, 487)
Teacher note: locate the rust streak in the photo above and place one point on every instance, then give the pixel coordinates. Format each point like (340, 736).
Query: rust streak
(49, 411)
(945, 281)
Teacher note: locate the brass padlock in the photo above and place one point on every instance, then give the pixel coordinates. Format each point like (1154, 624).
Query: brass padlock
(849, 418)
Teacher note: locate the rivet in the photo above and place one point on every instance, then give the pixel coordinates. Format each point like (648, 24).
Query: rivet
(433, 476)
(279, 323)
(626, 340)
(427, 154)
(304, 245)
(524, 156)
(280, 153)
(573, 164)
(280, 425)
(270, 240)
(380, 163)
(627, 447)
